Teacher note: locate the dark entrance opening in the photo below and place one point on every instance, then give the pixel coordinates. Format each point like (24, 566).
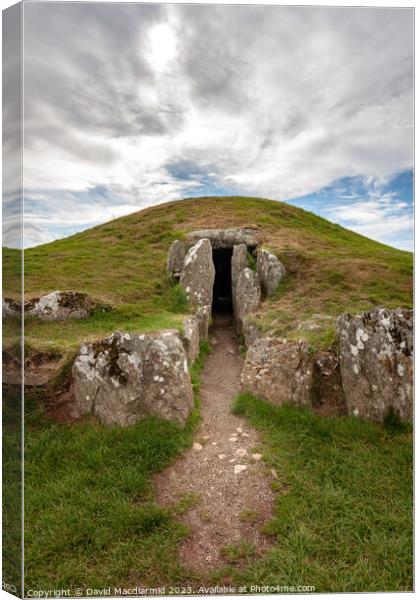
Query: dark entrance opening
(222, 289)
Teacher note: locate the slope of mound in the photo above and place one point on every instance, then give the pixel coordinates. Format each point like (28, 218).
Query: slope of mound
(123, 262)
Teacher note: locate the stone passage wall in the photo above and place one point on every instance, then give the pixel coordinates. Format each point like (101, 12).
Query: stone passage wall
(270, 272)
(127, 377)
(278, 371)
(372, 374)
(376, 362)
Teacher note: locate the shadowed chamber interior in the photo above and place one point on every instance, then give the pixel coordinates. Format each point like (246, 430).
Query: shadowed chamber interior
(222, 289)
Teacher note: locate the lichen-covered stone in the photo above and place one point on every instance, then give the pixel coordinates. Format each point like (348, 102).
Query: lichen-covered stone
(61, 306)
(11, 308)
(239, 262)
(191, 337)
(247, 296)
(128, 377)
(250, 331)
(226, 238)
(203, 317)
(198, 272)
(278, 371)
(270, 272)
(176, 256)
(376, 362)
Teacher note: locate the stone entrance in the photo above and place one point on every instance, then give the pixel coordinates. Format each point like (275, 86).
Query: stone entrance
(222, 288)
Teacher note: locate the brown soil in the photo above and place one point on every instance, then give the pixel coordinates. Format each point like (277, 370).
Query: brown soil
(224, 507)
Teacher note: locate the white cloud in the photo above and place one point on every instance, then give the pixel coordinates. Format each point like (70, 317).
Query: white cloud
(270, 101)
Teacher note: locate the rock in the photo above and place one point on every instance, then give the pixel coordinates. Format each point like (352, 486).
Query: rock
(128, 377)
(241, 452)
(250, 331)
(176, 256)
(198, 272)
(278, 371)
(239, 429)
(61, 306)
(233, 439)
(239, 262)
(11, 308)
(257, 457)
(376, 363)
(270, 272)
(191, 338)
(197, 446)
(222, 456)
(248, 296)
(239, 469)
(226, 238)
(203, 317)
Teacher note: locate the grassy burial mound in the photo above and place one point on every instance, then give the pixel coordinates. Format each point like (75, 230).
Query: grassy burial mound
(123, 263)
(342, 519)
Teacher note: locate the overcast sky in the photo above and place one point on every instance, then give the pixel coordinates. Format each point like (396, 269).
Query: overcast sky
(127, 106)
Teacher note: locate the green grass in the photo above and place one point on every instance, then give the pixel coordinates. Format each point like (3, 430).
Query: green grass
(90, 516)
(123, 262)
(343, 516)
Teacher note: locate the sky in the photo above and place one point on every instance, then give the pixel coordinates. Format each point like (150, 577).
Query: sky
(128, 106)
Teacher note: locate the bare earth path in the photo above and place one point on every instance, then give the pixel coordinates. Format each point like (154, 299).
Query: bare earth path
(231, 487)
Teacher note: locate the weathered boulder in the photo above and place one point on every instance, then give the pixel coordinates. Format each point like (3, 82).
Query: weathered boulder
(226, 238)
(176, 256)
(191, 337)
(128, 377)
(270, 271)
(11, 308)
(247, 296)
(203, 317)
(278, 371)
(198, 274)
(376, 362)
(60, 306)
(250, 331)
(239, 262)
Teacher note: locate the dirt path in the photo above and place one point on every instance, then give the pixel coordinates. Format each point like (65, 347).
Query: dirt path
(228, 488)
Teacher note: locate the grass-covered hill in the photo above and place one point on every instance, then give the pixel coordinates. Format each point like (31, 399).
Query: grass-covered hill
(330, 269)
(343, 514)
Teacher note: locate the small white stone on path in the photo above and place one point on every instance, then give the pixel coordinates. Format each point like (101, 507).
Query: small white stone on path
(197, 446)
(232, 460)
(257, 456)
(239, 429)
(245, 434)
(274, 473)
(239, 468)
(214, 443)
(222, 456)
(241, 452)
(233, 439)
(205, 437)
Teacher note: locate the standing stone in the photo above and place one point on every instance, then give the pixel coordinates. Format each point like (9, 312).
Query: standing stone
(376, 363)
(250, 331)
(128, 377)
(203, 318)
(270, 272)
(278, 371)
(239, 262)
(247, 296)
(176, 256)
(191, 338)
(198, 272)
